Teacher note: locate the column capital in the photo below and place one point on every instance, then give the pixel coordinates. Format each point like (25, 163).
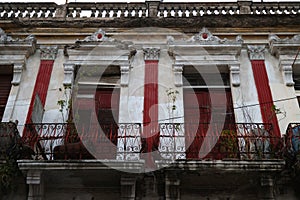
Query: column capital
(48, 52)
(256, 52)
(151, 53)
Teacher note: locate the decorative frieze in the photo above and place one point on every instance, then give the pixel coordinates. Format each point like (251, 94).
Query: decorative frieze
(69, 74)
(235, 74)
(151, 53)
(256, 52)
(178, 75)
(205, 37)
(48, 52)
(18, 68)
(98, 36)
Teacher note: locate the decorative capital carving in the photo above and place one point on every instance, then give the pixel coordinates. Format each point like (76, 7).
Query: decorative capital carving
(235, 74)
(69, 74)
(48, 52)
(256, 52)
(151, 53)
(18, 68)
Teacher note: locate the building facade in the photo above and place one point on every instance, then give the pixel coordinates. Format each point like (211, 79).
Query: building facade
(152, 100)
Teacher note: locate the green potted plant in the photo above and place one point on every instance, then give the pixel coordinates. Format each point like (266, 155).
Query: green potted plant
(228, 144)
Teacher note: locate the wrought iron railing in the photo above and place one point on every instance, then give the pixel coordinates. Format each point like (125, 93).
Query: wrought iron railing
(220, 141)
(176, 141)
(146, 9)
(67, 141)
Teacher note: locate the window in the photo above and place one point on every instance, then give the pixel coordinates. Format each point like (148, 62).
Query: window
(200, 115)
(6, 75)
(98, 109)
(296, 79)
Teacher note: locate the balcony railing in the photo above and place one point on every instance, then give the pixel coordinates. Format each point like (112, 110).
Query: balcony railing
(147, 9)
(67, 141)
(177, 141)
(220, 141)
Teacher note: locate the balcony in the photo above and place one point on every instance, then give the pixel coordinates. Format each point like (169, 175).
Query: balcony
(242, 141)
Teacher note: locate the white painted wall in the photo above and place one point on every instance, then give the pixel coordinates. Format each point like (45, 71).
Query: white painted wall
(245, 99)
(281, 93)
(132, 97)
(52, 112)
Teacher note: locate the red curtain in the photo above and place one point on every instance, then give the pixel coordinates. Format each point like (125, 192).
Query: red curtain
(197, 116)
(198, 119)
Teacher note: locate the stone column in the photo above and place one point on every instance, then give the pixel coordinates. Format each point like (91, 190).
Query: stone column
(128, 184)
(172, 184)
(36, 186)
(267, 187)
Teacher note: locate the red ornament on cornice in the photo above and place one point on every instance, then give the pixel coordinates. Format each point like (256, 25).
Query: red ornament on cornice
(99, 36)
(204, 36)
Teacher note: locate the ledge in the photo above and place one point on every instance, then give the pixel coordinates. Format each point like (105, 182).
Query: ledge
(225, 165)
(134, 166)
(241, 21)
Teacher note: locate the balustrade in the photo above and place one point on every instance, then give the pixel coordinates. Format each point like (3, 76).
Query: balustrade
(140, 10)
(176, 141)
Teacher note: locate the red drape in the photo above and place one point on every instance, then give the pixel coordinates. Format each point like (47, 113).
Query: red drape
(198, 119)
(264, 94)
